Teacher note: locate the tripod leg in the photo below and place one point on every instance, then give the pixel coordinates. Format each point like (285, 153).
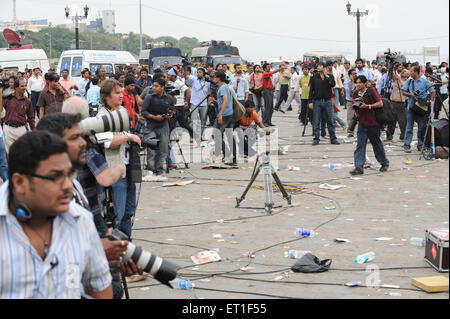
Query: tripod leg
(242, 198)
(286, 196)
(182, 155)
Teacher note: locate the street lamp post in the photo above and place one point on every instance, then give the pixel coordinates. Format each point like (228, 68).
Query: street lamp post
(76, 19)
(358, 14)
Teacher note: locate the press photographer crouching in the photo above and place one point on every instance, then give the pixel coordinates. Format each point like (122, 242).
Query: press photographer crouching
(365, 101)
(157, 110)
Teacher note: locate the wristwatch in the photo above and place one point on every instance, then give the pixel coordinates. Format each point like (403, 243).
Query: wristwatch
(370, 106)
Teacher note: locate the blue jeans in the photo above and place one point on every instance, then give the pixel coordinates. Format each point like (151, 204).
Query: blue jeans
(124, 197)
(412, 117)
(337, 119)
(327, 107)
(371, 133)
(3, 161)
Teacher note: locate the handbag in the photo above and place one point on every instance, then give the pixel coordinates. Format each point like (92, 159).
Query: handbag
(309, 264)
(257, 92)
(238, 108)
(421, 106)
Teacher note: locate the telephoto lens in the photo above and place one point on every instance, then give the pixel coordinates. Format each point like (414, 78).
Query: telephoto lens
(161, 269)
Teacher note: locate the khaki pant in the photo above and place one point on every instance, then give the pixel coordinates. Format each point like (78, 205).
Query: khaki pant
(12, 134)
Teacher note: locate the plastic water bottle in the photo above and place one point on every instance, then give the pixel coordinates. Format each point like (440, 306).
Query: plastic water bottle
(295, 254)
(331, 166)
(419, 242)
(365, 258)
(181, 284)
(302, 232)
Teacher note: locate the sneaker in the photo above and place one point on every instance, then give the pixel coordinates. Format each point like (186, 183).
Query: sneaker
(162, 178)
(315, 143)
(351, 135)
(173, 166)
(336, 142)
(150, 178)
(407, 150)
(384, 168)
(282, 111)
(356, 172)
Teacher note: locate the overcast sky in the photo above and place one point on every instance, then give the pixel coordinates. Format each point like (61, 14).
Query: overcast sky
(264, 29)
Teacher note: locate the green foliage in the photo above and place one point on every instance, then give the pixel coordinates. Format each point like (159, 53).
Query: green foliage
(61, 37)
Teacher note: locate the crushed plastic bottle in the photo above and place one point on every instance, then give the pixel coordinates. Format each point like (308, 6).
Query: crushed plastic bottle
(182, 284)
(365, 258)
(302, 232)
(295, 254)
(419, 242)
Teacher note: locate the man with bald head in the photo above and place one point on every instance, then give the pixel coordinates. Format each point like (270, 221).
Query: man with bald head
(76, 105)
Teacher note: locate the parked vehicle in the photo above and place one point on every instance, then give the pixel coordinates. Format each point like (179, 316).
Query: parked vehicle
(77, 60)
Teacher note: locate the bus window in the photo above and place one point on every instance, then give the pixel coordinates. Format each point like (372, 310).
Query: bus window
(96, 66)
(76, 66)
(65, 64)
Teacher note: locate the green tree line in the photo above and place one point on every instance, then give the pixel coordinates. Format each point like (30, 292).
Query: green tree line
(61, 38)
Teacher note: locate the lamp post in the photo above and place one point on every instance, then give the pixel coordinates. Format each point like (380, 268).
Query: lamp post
(76, 19)
(358, 14)
(49, 34)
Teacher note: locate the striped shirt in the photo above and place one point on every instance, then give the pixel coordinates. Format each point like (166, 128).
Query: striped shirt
(76, 260)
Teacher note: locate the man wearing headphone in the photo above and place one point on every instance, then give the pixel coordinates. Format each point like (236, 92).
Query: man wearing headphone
(49, 245)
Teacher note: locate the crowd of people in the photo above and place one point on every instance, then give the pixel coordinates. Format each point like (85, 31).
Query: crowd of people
(49, 166)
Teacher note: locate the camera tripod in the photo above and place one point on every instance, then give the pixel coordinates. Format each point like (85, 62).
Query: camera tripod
(268, 173)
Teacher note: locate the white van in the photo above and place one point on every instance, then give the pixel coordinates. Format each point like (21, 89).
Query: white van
(19, 60)
(77, 60)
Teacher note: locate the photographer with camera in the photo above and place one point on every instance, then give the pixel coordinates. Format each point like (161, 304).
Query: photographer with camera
(117, 151)
(398, 102)
(157, 110)
(365, 101)
(418, 91)
(183, 96)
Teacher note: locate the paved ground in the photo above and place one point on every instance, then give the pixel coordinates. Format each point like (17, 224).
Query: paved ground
(397, 204)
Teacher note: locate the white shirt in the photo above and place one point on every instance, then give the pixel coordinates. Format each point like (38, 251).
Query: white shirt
(76, 258)
(82, 87)
(35, 84)
(294, 82)
(179, 85)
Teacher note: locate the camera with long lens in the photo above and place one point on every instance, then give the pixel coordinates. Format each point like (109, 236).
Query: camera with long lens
(161, 269)
(170, 90)
(146, 140)
(357, 106)
(117, 121)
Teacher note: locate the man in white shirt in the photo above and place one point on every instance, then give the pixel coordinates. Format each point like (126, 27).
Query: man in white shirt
(294, 93)
(83, 83)
(35, 85)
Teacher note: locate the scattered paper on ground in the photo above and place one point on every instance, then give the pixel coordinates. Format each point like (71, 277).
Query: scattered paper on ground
(178, 184)
(331, 187)
(206, 257)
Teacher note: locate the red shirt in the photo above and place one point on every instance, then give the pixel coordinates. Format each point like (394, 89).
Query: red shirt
(366, 116)
(267, 83)
(129, 102)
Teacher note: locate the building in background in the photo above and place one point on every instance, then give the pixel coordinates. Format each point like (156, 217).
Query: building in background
(109, 21)
(31, 25)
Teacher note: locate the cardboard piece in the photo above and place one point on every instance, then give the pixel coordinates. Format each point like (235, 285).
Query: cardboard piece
(431, 284)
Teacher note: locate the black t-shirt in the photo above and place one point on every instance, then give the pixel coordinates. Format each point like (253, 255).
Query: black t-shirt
(157, 105)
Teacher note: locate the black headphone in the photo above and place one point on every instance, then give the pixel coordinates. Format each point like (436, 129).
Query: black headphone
(23, 213)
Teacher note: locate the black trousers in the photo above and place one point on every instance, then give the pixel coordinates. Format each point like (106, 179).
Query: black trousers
(284, 89)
